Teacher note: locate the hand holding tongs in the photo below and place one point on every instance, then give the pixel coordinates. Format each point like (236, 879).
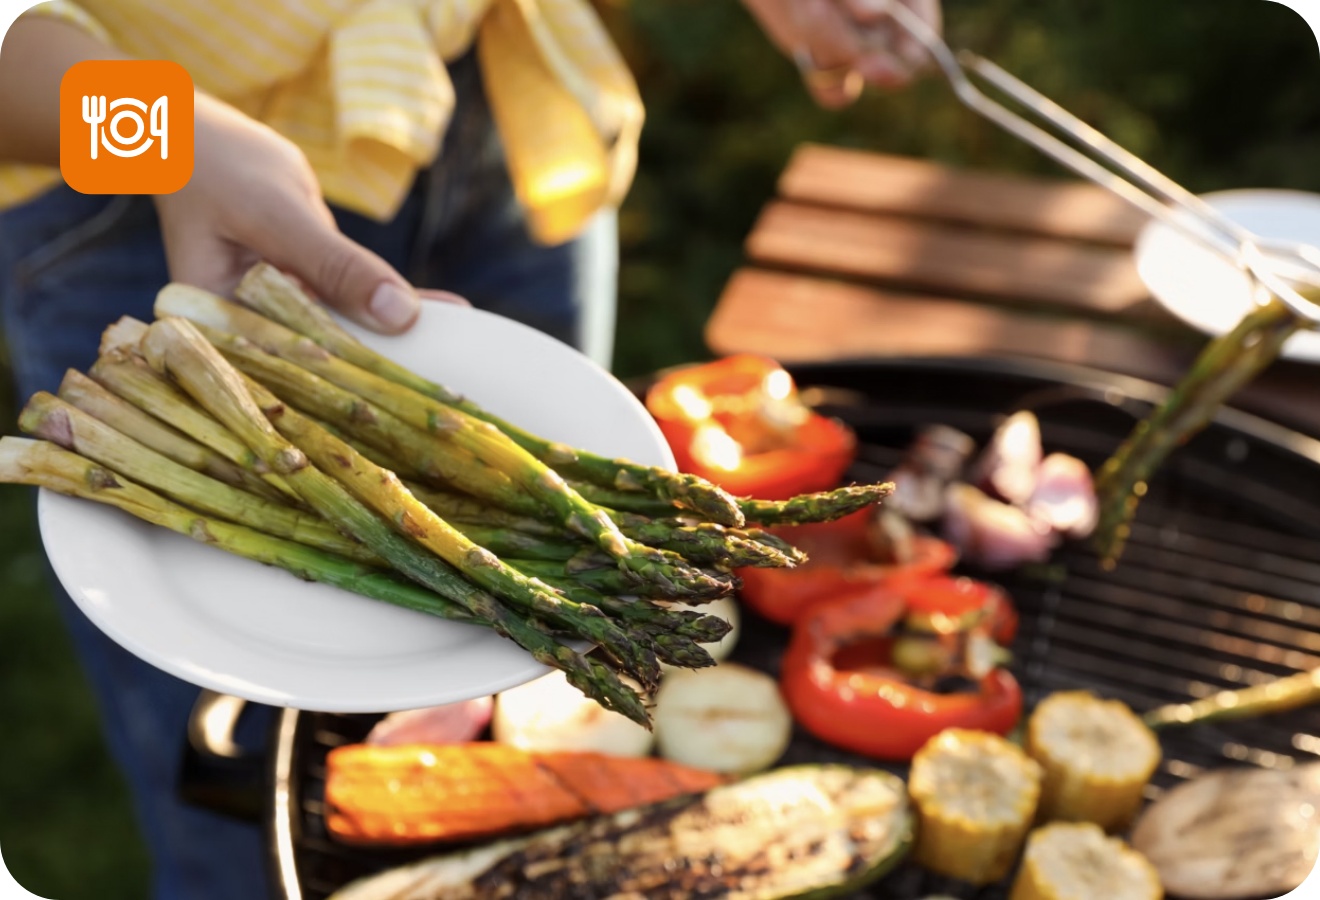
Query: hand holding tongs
(1279, 266)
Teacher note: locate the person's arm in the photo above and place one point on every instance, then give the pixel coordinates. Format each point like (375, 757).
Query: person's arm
(252, 194)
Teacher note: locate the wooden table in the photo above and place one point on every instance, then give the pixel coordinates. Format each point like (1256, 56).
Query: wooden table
(865, 255)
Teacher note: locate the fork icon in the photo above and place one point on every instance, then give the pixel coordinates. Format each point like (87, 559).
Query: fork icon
(93, 113)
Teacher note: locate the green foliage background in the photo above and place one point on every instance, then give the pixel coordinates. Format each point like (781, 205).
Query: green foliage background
(1219, 93)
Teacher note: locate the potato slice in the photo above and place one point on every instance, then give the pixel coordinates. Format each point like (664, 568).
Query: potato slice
(728, 718)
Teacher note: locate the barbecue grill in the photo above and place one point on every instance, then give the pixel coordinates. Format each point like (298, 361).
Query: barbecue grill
(1218, 588)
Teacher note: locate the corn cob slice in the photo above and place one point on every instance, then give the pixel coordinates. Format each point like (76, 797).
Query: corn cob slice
(1097, 756)
(975, 795)
(1077, 861)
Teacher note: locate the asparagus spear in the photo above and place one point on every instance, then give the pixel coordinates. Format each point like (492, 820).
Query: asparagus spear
(603, 578)
(460, 508)
(127, 375)
(1222, 368)
(268, 290)
(1284, 694)
(44, 465)
(84, 393)
(173, 345)
(703, 542)
(506, 542)
(626, 501)
(825, 506)
(397, 466)
(48, 417)
(381, 490)
(804, 509)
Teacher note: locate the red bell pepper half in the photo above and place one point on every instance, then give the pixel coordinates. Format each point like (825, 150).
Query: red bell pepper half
(738, 422)
(841, 683)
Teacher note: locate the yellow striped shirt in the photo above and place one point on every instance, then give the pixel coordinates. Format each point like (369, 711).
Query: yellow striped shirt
(361, 87)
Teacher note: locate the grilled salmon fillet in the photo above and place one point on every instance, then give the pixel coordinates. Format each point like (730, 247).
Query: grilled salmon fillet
(416, 794)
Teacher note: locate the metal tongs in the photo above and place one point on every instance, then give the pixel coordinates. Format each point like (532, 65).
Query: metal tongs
(1277, 267)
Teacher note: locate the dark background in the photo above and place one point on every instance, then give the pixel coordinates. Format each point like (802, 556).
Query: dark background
(1219, 95)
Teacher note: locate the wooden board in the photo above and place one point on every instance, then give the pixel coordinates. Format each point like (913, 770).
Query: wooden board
(897, 185)
(950, 259)
(797, 318)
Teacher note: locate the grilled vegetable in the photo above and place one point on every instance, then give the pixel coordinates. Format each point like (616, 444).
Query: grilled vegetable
(740, 423)
(1064, 498)
(844, 677)
(421, 793)
(1226, 364)
(1234, 833)
(975, 795)
(1097, 757)
(1077, 861)
(549, 714)
(726, 719)
(1282, 695)
(993, 534)
(1010, 463)
(937, 456)
(811, 831)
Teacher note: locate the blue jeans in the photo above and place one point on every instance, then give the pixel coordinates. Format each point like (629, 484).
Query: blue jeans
(71, 264)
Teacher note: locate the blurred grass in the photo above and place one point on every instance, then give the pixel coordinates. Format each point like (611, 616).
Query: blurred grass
(1217, 94)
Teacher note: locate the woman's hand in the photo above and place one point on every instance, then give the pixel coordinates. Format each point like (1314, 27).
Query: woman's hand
(842, 45)
(254, 196)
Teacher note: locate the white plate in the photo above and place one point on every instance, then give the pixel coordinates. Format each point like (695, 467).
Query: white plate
(235, 626)
(1205, 290)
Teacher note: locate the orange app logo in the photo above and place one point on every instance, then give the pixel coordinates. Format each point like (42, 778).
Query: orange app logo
(126, 127)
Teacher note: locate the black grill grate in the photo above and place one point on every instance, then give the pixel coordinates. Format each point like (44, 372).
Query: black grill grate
(1219, 588)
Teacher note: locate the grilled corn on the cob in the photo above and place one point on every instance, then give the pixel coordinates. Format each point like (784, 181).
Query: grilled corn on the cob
(975, 795)
(1077, 861)
(1097, 757)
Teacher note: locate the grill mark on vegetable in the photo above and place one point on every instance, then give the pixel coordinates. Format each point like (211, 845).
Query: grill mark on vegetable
(99, 479)
(583, 860)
